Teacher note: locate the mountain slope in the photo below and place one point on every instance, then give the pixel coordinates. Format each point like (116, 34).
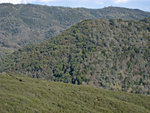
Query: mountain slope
(112, 54)
(27, 95)
(22, 25)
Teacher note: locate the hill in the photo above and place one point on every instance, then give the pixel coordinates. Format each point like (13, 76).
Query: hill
(112, 54)
(26, 95)
(22, 25)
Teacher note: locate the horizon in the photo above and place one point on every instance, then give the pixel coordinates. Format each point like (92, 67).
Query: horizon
(75, 7)
(95, 4)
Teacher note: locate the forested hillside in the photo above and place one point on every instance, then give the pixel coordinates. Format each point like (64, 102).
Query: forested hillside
(112, 54)
(26, 95)
(22, 25)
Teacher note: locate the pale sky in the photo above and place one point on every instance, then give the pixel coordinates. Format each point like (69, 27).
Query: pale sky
(135, 4)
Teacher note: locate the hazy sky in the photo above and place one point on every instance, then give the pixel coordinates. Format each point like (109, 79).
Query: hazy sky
(140, 4)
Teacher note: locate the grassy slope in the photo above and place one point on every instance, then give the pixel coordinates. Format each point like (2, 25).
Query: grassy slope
(22, 25)
(38, 96)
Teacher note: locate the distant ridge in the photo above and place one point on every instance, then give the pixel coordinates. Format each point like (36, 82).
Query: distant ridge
(22, 25)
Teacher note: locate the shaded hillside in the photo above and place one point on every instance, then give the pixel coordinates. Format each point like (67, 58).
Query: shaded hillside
(26, 95)
(112, 54)
(22, 25)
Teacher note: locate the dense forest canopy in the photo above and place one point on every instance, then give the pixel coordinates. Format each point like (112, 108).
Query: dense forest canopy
(113, 54)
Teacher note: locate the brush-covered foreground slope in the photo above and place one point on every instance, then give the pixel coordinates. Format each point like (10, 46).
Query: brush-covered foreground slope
(112, 54)
(26, 95)
(22, 25)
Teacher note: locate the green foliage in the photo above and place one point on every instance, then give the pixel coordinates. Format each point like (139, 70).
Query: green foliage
(22, 25)
(20, 94)
(110, 54)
